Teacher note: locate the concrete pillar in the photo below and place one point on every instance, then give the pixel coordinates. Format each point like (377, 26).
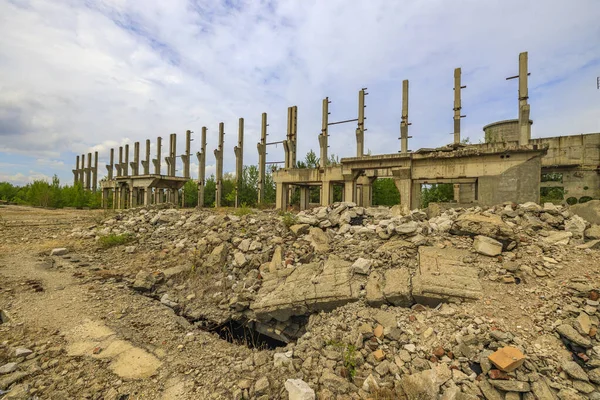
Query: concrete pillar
(294, 137)
(304, 197)
(360, 130)
(88, 172)
(281, 196)
(524, 109)
(147, 196)
(171, 159)
(456, 188)
(405, 188)
(457, 105)
(132, 197)
(115, 198)
(219, 161)
(349, 190)
(111, 164)
(175, 195)
(126, 161)
(146, 161)
(364, 198)
(262, 159)
(415, 202)
(323, 137)
(404, 120)
(76, 172)
(185, 158)
(239, 161)
(326, 193)
(119, 165)
(135, 165)
(82, 171)
(122, 196)
(95, 172)
(202, 168)
(157, 160)
(290, 144)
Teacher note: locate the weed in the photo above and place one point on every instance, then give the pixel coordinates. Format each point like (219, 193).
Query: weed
(348, 355)
(289, 219)
(112, 240)
(243, 210)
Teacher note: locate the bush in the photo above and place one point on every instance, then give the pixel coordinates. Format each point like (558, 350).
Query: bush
(114, 240)
(289, 219)
(243, 210)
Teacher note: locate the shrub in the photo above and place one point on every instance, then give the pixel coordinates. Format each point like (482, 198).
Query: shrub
(112, 240)
(243, 210)
(289, 219)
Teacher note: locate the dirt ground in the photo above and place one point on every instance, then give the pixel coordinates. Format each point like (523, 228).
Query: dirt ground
(67, 312)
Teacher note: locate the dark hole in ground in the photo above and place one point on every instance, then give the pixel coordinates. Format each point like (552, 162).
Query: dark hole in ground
(243, 333)
(577, 352)
(358, 220)
(476, 367)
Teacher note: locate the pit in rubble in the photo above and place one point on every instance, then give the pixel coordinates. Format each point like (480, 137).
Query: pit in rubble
(245, 333)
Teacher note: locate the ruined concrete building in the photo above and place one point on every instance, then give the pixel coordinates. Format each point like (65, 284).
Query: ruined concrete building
(509, 166)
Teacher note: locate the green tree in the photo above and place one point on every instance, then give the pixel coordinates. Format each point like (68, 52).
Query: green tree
(210, 185)
(190, 193)
(440, 192)
(385, 192)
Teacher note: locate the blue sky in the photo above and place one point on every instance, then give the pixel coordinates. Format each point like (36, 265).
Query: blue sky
(79, 76)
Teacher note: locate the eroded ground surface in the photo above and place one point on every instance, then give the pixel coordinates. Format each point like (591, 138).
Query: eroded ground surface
(357, 303)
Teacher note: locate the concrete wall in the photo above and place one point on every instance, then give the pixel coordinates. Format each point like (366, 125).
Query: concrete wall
(573, 150)
(518, 184)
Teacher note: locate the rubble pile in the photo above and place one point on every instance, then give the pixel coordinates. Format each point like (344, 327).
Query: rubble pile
(366, 303)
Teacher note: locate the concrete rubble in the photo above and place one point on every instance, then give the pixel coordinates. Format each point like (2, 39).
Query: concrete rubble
(364, 303)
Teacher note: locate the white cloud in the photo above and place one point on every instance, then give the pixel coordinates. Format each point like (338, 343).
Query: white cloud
(81, 76)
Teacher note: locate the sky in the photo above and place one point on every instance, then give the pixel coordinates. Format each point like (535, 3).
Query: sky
(88, 75)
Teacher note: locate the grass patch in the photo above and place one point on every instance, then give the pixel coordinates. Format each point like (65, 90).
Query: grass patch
(348, 355)
(243, 210)
(289, 219)
(113, 240)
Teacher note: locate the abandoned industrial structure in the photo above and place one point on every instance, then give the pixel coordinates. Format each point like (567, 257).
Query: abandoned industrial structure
(508, 166)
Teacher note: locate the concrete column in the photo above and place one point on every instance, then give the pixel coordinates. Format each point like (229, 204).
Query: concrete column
(239, 161)
(122, 196)
(456, 188)
(365, 197)
(202, 168)
(323, 137)
(185, 158)
(88, 172)
(304, 197)
(404, 121)
(126, 161)
(360, 130)
(219, 172)
(281, 196)
(171, 160)
(95, 172)
(76, 172)
(457, 105)
(132, 197)
(110, 166)
(82, 171)
(294, 137)
(147, 196)
(115, 198)
(415, 202)
(349, 190)
(157, 160)
(135, 165)
(405, 188)
(146, 161)
(120, 163)
(262, 159)
(175, 199)
(524, 109)
(287, 143)
(326, 193)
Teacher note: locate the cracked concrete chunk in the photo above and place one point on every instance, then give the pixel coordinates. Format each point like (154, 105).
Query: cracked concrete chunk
(477, 224)
(319, 240)
(397, 287)
(443, 277)
(310, 287)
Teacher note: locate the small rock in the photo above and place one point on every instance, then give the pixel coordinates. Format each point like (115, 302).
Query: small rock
(60, 251)
(574, 370)
(8, 368)
(22, 352)
(487, 246)
(299, 390)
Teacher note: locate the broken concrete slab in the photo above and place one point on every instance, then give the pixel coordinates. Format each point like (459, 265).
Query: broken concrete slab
(477, 224)
(558, 237)
(309, 288)
(319, 240)
(590, 211)
(487, 246)
(444, 277)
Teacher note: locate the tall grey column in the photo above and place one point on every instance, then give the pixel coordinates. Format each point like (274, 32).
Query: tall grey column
(323, 137)
(146, 162)
(170, 160)
(185, 158)
(457, 105)
(157, 160)
(219, 160)
(126, 162)
(135, 165)
(82, 171)
(201, 168)
(76, 172)
(95, 172)
(239, 161)
(404, 121)
(524, 108)
(360, 129)
(262, 159)
(110, 166)
(119, 165)
(88, 172)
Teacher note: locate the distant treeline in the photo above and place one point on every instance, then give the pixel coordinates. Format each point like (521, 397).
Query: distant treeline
(51, 194)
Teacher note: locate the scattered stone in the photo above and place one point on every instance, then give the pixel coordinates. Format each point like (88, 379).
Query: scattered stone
(568, 332)
(299, 390)
(22, 352)
(300, 229)
(511, 386)
(507, 358)
(8, 368)
(60, 251)
(487, 246)
(574, 370)
(362, 266)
